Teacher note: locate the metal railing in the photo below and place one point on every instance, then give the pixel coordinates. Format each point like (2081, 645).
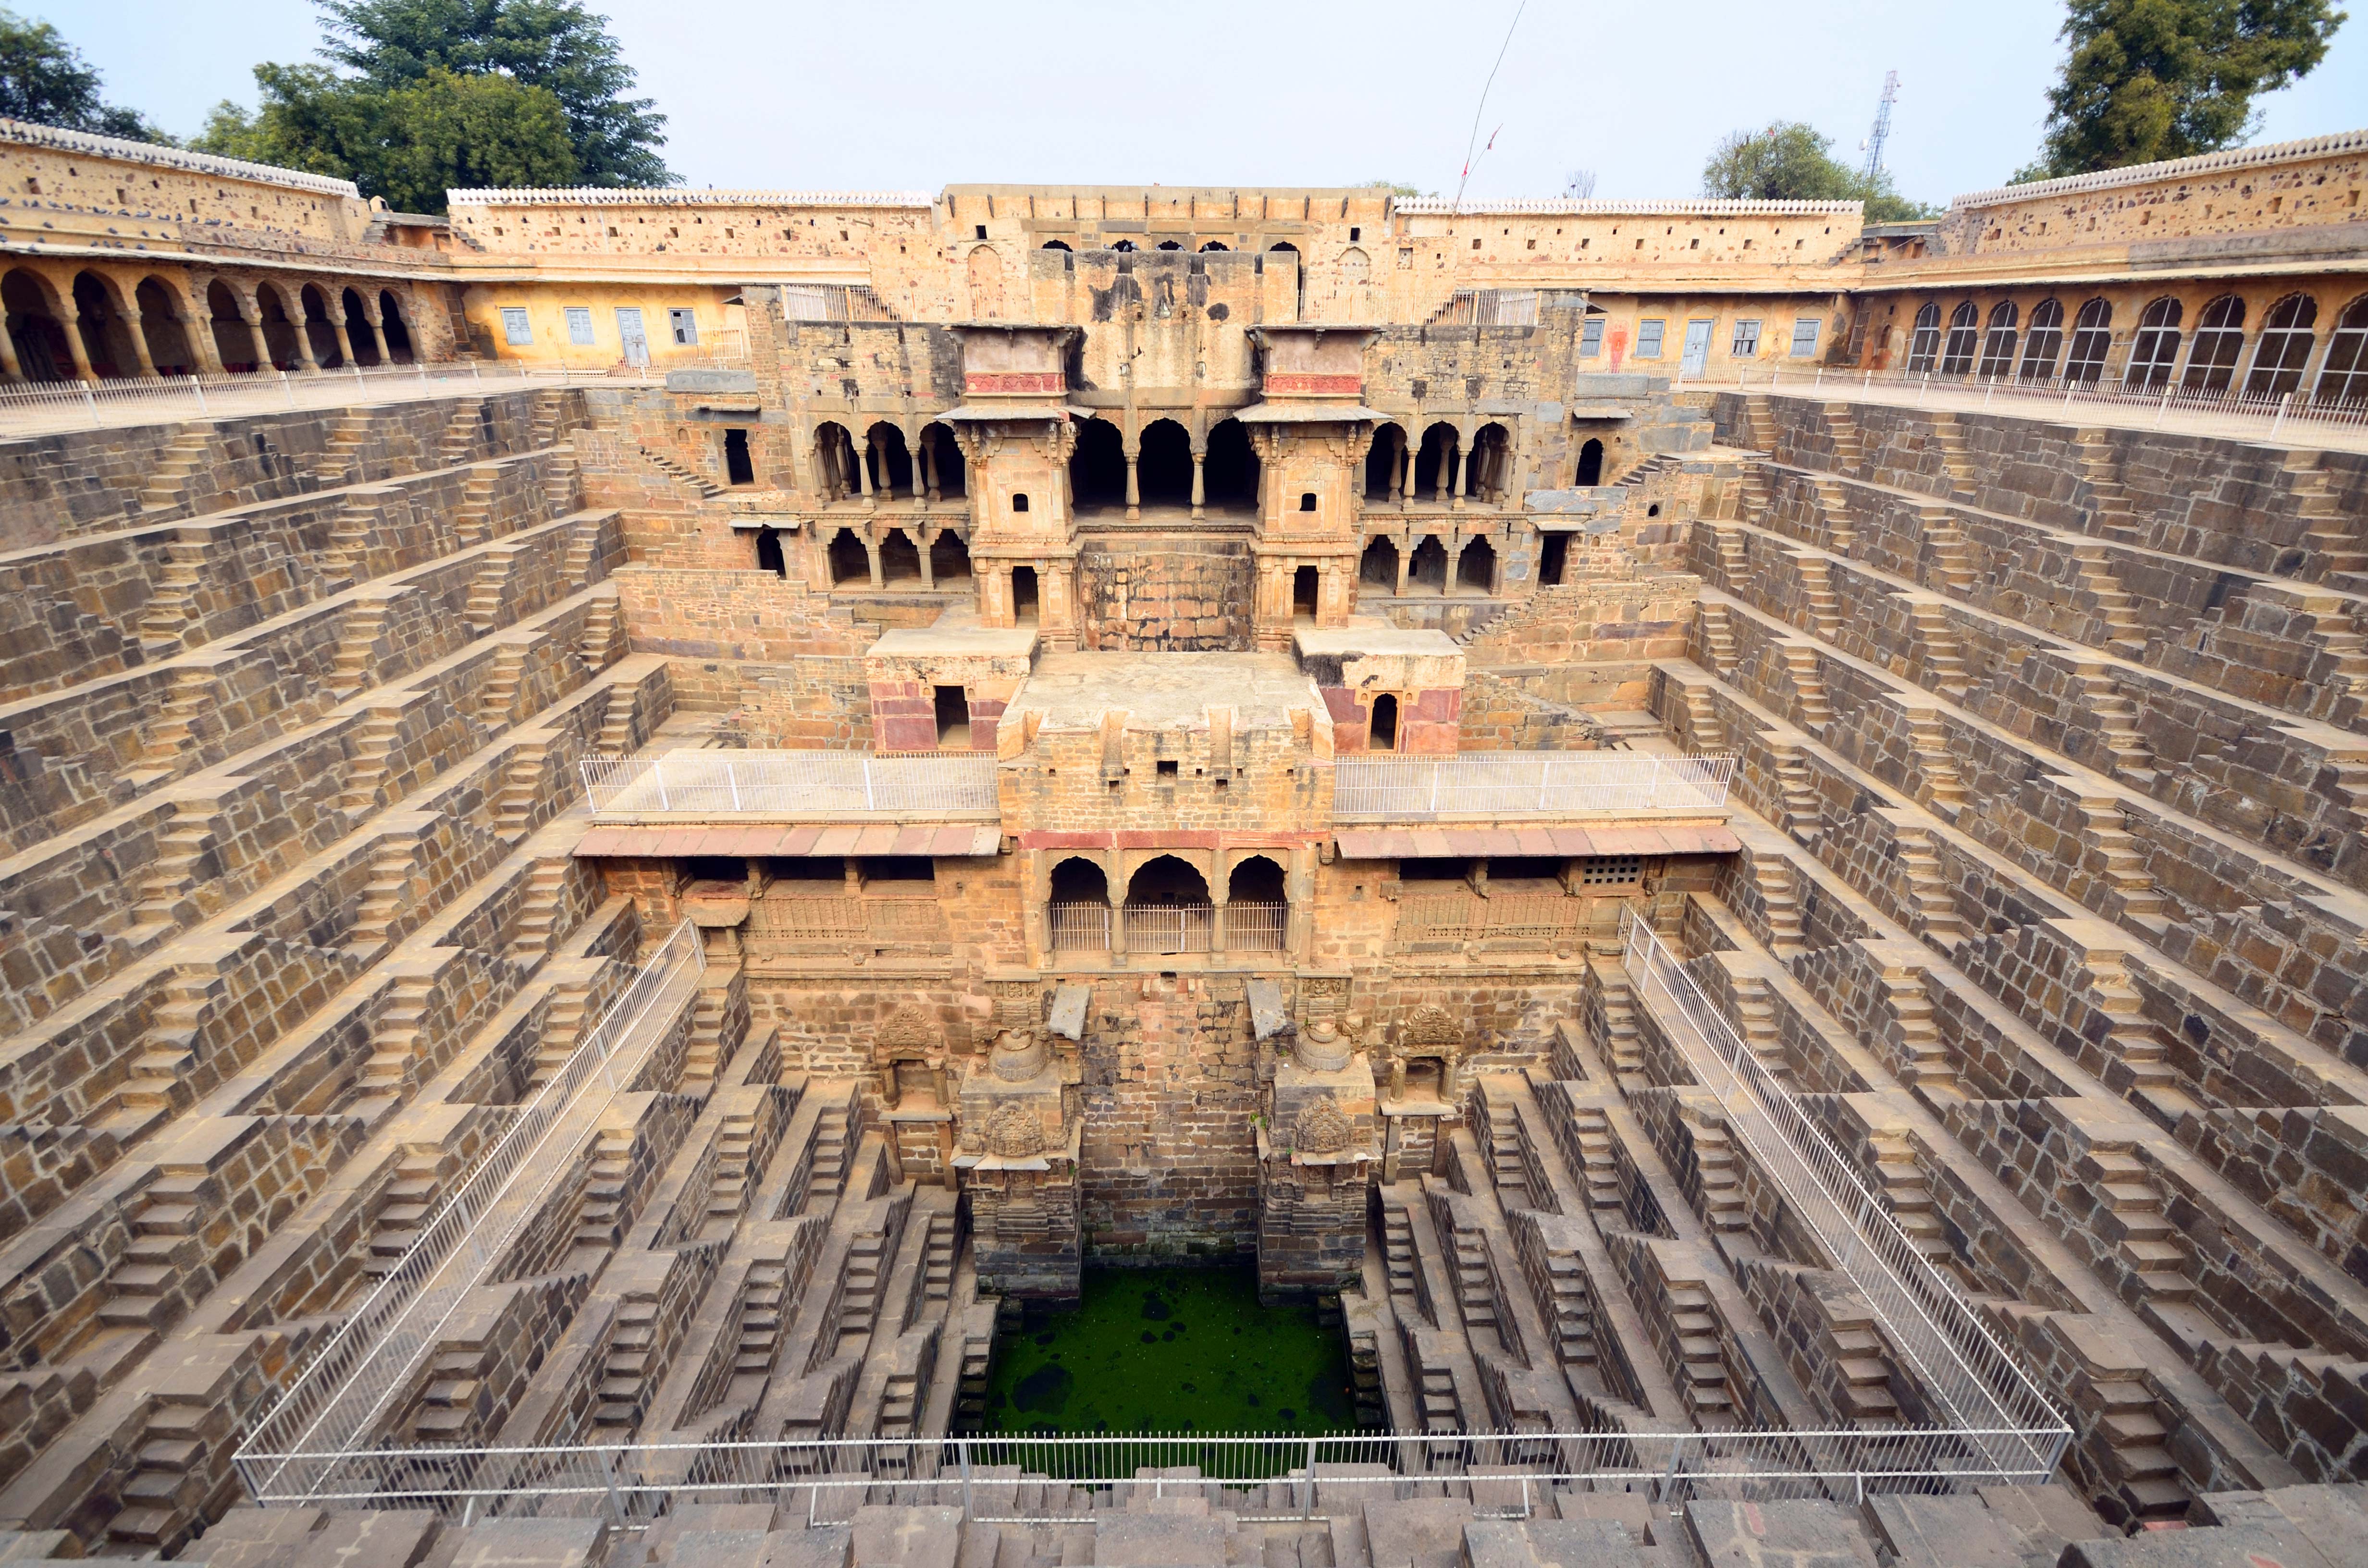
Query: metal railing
(1167, 928)
(998, 1479)
(1512, 783)
(2037, 395)
(794, 785)
(1972, 1380)
(1083, 925)
(37, 408)
(365, 1368)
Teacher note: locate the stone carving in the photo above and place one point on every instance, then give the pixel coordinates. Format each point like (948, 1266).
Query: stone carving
(1322, 1130)
(1014, 1132)
(1320, 1048)
(1018, 1055)
(1430, 1025)
(908, 1028)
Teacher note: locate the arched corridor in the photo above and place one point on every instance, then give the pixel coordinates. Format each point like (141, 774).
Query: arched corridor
(1164, 466)
(1378, 565)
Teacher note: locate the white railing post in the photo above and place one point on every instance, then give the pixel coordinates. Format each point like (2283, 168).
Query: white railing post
(2162, 408)
(869, 799)
(198, 385)
(91, 403)
(2284, 403)
(287, 388)
(732, 782)
(657, 771)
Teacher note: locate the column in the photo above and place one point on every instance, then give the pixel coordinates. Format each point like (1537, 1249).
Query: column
(138, 332)
(1454, 555)
(1405, 561)
(378, 335)
(924, 537)
(930, 467)
(10, 364)
(1220, 896)
(863, 477)
(913, 481)
(200, 334)
(1133, 490)
(252, 315)
(303, 324)
(1463, 472)
(1402, 473)
(1200, 491)
(344, 341)
(872, 552)
(1446, 471)
(71, 319)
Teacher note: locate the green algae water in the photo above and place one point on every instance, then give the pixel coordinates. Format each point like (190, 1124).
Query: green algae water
(1171, 1350)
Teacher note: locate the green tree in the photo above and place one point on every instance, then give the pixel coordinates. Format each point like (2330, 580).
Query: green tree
(45, 80)
(1791, 162)
(2146, 80)
(408, 145)
(556, 45)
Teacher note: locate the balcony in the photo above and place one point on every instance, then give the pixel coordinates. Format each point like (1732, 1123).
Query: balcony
(789, 786)
(1083, 927)
(1527, 785)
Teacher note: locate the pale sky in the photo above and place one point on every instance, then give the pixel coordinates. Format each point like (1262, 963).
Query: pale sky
(916, 94)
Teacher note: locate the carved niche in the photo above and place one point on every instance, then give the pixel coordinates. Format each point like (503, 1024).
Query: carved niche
(1322, 1130)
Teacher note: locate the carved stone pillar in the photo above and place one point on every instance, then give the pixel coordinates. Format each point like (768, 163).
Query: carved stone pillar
(1016, 1158)
(1315, 1154)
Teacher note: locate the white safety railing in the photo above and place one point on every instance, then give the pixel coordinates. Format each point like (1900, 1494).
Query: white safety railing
(1049, 1479)
(1254, 927)
(39, 407)
(2132, 402)
(1079, 925)
(794, 785)
(345, 1391)
(1515, 783)
(1968, 1375)
(1167, 928)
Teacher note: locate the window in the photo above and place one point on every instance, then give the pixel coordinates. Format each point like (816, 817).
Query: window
(1307, 500)
(2092, 333)
(737, 468)
(2284, 347)
(1648, 339)
(1998, 344)
(2155, 347)
(1957, 353)
(1805, 338)
(2219, 340)
(1590, 337)
(1746, 340)
(1924, 344)
(515, 330)
(2044, 339)
(1610, 870)
(1019, 501)
(685, 326)
(579, 325)
(2344, 376)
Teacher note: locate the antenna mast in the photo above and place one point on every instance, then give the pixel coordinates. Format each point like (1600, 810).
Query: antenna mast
(1882, 131)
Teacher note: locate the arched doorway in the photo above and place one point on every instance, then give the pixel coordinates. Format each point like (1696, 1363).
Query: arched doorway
(35, 329)
(105, 336)
(1590, 463)
(1492, 463)
(835, 460)
(169, 348)
(233, 341)
(985, 270)
(1427, 565)
(891, 465)
(1477, 567)
(769, 553)
(1023, 594)
(1164, 466)
(2155, 347)
(319, 330)
(1385, 463)
(1168, 908)
(900, 560)
(1098, 468)
(1554, 557)
(279, 329)
(357, 330)
(2219, 341)
(1229, 474)
(949, 558)
(1303, 588)
(849, 562)
(398, 335)
(941, 463)
(1433, 465)
(1381, 735)
(1378, 565)
(1078, 908)
(1257, 911)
